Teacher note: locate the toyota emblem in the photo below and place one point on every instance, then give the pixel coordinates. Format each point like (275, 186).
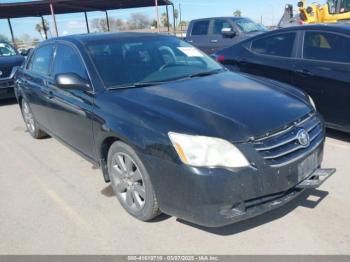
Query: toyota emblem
(303, 138)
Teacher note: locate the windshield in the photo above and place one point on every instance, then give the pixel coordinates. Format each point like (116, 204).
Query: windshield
(248, 26)
(7, 50)
(131, 61)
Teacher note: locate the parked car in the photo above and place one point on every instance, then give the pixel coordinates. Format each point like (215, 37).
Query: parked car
(10, 60)
(172, 130)
(315, 58)
(213, 34)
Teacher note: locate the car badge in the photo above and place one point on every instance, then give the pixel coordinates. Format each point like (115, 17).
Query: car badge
(303, 138)
(1, 73)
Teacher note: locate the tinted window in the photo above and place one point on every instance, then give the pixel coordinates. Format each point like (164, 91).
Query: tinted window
(219, 25)
(40, 62)
(7, 50)
(277, 45)
(345, 6)
(67, 60)
(327, 47)
(200, 27)
(123, 62)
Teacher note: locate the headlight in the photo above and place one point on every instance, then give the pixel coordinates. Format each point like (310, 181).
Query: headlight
(207, 151)
(312, 102)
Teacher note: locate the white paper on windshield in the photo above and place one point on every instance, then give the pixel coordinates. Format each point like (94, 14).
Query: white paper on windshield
(190, 51)
(2, 45)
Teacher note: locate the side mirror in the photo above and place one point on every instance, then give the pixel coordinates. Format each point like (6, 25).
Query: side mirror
(228, 32)
(24, 52)
(72, 81)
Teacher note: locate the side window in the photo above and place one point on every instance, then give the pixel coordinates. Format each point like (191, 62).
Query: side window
(219, 25)
(276, 45)
(345, 6)
(67, 60)
(326, 46)
(200, 27)
(40, 61)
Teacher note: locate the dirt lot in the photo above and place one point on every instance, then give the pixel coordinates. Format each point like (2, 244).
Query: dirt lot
(54, 202)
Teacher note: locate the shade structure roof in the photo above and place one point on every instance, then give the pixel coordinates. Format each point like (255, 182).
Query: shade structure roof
(41, 8)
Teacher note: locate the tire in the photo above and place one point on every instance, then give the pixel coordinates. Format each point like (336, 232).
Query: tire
(131, 183)
(31, 123)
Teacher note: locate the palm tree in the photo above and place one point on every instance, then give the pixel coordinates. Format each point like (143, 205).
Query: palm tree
(237, 13)
(176, 15)
(42, 28)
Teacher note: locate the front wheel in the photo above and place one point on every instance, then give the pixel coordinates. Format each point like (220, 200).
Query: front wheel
(29, 120)
(131, 183)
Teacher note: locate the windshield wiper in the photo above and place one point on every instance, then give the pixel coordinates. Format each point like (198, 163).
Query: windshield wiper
(153, 83)
(206, 73)
(135, 85)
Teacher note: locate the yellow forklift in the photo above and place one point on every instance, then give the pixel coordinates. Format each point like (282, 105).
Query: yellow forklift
(332, 12)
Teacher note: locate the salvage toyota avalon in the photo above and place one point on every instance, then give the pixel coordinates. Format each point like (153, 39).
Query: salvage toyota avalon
(171, 129)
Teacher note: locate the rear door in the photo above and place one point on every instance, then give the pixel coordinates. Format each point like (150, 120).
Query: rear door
(324, 73)
(217, 39)
(70, 111)
(272, 56)
(199, 35)
(34, 83)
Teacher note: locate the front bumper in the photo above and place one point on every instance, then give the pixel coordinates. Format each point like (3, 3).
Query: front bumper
(7, 88)
(218, 197)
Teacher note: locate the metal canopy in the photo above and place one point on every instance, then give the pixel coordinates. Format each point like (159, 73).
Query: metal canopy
(41, 8)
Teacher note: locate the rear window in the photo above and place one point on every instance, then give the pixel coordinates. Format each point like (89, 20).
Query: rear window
(327, 47)
(276, 45)
(200, 28)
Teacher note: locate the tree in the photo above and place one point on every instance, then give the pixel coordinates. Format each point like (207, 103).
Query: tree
(154, 24)
(4, 38)
(237, 13)
(138, 21)
(164, 20)
(176, 15)
(42, 28)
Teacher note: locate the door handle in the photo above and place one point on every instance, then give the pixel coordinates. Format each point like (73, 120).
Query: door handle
(242, 62)
(214, 40)
(48, 94)
(303, 72)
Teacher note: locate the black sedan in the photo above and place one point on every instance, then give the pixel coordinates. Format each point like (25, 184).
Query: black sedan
(10, 60)
(315, 58)
(171, 129)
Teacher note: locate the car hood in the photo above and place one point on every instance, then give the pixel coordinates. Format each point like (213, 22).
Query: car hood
(253, 107)
(9, 61)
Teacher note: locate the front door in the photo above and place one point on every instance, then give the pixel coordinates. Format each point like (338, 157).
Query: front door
(70, 111)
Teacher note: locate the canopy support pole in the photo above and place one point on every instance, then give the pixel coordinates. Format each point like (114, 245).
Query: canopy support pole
(157, 12)
(11, 31)
(44, 26)
(174, 26)
(53, 18)
(87, 23)
(167, 17)
(107, 20)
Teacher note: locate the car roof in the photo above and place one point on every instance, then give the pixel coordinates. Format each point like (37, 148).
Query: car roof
(84, 38)
(221, 17)
(337, 27)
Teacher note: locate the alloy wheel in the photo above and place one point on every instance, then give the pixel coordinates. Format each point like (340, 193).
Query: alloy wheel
(28, 117)
(128, 181)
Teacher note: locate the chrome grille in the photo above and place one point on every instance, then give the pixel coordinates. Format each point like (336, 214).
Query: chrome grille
(283, 147)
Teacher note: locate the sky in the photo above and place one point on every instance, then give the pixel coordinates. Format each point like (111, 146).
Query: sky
(270, 11)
